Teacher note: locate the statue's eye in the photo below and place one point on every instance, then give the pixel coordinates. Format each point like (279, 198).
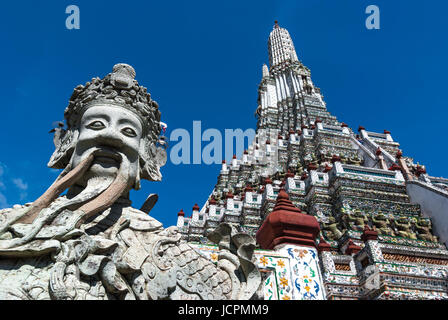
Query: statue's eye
(96, 125)
(129, 132)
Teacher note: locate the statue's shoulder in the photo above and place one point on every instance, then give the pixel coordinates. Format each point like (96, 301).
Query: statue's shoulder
(141, 221)
(9, 215)
(15, 207)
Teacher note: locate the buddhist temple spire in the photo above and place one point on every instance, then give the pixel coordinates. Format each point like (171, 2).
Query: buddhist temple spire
(280, 47)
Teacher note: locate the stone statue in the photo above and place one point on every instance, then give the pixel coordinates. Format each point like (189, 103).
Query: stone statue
(299, 168)
(312, 160)
(382, 224)
(218, 196)
(423, 227)
(280, 175)
(356, 220)
(356, 160)
(91, 243)
(324, 156)
(331, 229)
(404, 228)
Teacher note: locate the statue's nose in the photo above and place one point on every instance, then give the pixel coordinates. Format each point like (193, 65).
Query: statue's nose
(110, 137)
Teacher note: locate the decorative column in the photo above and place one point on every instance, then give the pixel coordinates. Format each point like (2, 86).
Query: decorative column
(318, 123)
(245, 157)
(195, 214)
(291, 233)
(229, 201)
(362, 132)
(224, 166)
(345, 128)
(180, 218)
(404, 167)
(290, 183)
(380, 156)
(212, 207)
(292, 136)
(372, 264)
(234, 161)
(269, 190)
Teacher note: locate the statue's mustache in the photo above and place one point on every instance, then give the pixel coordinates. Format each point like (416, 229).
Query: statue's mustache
(99, 194)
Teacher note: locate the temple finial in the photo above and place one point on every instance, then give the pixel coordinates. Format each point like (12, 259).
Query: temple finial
(265, 71)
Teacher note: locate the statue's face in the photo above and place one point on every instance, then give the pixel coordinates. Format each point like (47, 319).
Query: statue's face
(111, 129)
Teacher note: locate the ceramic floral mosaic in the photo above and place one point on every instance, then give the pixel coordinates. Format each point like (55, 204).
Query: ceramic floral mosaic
(292, 271)
(295, 273)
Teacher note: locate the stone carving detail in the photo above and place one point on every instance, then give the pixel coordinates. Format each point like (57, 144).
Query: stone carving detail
(382, 225)
(331, 229)
(91, 244)
(404, 228)
(423, 227)
(356, 220)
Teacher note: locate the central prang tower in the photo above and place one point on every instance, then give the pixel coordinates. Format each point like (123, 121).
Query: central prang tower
(374, 208)
(282, 89)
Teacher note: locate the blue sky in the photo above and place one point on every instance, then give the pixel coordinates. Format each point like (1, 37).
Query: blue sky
(201, 60)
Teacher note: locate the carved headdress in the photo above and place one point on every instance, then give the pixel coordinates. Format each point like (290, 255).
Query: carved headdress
(118, 88)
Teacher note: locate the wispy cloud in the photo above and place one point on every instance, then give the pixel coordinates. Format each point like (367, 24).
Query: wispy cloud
(20, 184)
(7, 185)
(3, 201)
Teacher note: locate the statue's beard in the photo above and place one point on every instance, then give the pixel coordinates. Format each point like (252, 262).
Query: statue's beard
(100, 168)
(109, 176)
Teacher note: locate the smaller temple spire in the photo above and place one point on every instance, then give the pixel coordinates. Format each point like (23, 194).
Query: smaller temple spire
(265, 70)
